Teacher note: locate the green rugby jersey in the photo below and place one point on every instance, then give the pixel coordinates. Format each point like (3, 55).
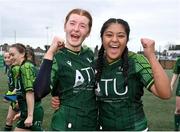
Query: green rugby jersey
(11, 83)
(12, 75)
(73, 76)
(121, 108)
(15, 72)
(176, 70)
(25, 80)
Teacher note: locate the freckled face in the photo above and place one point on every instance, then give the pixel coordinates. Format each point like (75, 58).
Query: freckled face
(114, 41)
(77, 29)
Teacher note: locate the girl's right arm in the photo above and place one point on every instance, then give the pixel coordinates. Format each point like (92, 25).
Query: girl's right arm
(43, 79)
(57, 44)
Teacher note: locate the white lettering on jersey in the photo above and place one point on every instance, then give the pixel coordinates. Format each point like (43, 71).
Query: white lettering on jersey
(106, 81)
(115, 90)
(87, 71)
(79, 79)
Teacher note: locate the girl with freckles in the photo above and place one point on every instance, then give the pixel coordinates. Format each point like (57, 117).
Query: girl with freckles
(69, 72)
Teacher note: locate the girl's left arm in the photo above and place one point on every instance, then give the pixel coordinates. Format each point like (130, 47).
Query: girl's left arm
(30, 108)
(161, 86)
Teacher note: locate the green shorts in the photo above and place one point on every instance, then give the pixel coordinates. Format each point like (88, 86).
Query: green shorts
(37, 119)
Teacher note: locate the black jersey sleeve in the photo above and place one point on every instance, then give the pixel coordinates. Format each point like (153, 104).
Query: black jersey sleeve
(43, 79)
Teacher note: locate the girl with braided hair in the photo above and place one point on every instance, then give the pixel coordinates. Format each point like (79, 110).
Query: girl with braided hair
(121, 77)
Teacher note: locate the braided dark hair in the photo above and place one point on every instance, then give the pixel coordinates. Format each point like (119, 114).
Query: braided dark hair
(125, 65)
(99, 64)
(100, 60)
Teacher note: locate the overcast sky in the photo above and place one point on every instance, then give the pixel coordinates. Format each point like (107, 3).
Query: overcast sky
(35, 22)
